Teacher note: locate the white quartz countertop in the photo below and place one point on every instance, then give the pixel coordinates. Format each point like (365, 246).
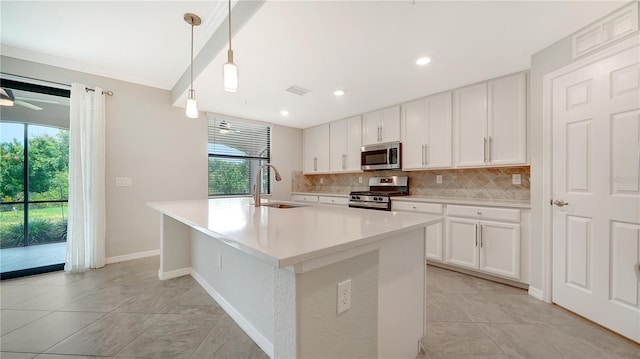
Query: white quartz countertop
(445, 200)
(284, 237)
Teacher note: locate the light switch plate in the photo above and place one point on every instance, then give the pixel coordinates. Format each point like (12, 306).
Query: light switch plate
(439, 179)
(516, 179)
(123, 182)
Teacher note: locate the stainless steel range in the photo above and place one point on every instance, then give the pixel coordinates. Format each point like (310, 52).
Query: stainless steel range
(381, 189)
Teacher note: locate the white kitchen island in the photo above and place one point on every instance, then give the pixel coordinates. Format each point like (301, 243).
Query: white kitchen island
(276, 271)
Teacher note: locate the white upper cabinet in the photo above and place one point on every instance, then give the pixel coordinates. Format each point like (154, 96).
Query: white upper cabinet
(426, 132)
(507, 121)
(345, 141)
(490, 125)
(381, 126)
(316, 150)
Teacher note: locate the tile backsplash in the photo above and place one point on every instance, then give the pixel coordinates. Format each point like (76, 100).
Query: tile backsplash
(485, 183)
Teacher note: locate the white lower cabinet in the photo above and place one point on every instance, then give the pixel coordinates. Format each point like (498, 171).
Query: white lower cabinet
(304, 198)
(433, 246)
(486, 245)
(333, 201)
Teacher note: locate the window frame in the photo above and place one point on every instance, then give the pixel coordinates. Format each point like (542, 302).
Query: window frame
(211, 122)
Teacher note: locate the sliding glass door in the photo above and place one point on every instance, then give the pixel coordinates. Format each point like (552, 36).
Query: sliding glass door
(34, 187)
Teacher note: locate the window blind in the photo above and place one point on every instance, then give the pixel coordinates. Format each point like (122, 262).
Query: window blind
(236, 150)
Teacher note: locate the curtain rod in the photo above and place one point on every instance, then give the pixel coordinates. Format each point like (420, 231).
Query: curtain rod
(108, 93)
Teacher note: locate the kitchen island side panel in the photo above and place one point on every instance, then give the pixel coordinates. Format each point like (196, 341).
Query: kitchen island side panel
(245, 283)
(323, 333)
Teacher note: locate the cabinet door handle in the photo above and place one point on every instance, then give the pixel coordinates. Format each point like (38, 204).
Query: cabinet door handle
(423, 155)
(426, 155)
(489, 149)
(475, 227)
(315, 163)
(481, 236)
(344, 161)
(484, 149)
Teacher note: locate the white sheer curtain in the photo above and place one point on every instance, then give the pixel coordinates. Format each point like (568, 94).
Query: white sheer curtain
(86, 227)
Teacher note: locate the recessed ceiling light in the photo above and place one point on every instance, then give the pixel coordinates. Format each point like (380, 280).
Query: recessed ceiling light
(338, 92)
(423, 61)
(284, 113)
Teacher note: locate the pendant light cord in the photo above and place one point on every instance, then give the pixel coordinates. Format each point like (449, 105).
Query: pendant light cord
(192, 53)
(229, 24)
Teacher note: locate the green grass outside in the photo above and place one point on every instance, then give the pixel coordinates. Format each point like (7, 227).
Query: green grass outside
(46, 225)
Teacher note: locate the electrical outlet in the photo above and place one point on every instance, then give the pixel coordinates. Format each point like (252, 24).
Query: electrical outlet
(344, 296)
(516, 179)
(439, 179)
(123, 182)
(321, 180)
(360, 179)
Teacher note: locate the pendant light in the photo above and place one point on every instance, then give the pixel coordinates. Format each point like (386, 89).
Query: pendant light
(230, 70)
(192, 104)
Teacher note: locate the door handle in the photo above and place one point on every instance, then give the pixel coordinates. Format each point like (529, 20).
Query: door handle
(481, 236)
(315, 163)
(426, 155)
(484, 149)
(344, 161)
(489, 149)
(475, 226)
(558, 202)
(423, 155)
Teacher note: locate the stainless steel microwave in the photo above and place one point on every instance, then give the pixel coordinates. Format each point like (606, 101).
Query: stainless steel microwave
(383, 156)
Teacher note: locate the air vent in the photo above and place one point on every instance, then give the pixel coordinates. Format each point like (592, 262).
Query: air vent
(297, 90)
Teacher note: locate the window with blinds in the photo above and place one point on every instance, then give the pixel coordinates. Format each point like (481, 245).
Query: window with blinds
(236, 150)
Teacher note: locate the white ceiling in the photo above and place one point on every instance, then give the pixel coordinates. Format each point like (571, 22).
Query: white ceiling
(366, 48)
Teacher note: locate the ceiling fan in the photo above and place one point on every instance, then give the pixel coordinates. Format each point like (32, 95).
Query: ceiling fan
(7, 98)
(225, 127)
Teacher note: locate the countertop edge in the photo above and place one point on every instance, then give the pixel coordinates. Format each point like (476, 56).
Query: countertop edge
(443, 200)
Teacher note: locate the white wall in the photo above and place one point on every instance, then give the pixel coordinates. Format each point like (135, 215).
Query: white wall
(148, 140)
(286, 155)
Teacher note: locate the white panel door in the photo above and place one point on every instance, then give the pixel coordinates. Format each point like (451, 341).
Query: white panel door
(470, 125)
(413, 134)
(434, 242)
(596, 165)
(462, 242)
(438, 149)
(500, 248)
(507, 121)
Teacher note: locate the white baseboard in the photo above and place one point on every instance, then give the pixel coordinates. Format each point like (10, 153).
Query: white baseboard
(252, 332)
(174, 273)
(132, 256)
(536, 293)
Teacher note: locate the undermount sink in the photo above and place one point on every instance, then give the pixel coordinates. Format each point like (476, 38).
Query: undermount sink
(283, 205)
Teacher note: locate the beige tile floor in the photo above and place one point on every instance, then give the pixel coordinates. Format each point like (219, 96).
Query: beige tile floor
(469, 317)
(124, 311)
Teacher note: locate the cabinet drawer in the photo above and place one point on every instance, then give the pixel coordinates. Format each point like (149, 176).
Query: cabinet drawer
(340, 201)
(305, 198)
(435, 208)
(500, 214)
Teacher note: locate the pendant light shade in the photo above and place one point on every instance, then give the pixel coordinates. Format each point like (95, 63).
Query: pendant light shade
(230, 74)
(229, 69)
(192, 105)
(191, 108)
